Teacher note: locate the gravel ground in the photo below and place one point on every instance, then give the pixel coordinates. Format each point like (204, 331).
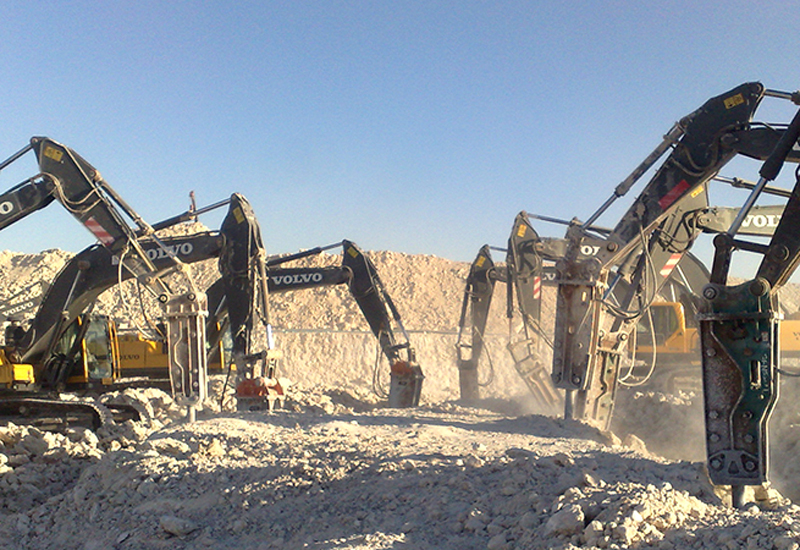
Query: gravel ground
(337, 470)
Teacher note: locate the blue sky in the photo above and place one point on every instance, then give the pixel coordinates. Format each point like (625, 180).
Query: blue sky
(413, 126)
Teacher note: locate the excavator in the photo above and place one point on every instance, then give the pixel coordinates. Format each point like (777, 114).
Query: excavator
(90, 354)
(46, 351)
(530, 267)
(360, 275)
(740, 328)
(246, 282)
(84, 352)
(593, 320)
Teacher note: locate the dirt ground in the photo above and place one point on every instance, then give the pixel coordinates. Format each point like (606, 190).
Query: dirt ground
(336, 468)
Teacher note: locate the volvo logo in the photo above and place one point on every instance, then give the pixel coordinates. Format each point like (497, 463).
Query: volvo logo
(158, 253)
(761, 220)
(297, 278)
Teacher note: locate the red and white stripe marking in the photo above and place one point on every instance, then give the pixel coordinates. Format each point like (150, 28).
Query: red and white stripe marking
(670, 265)
(102, 235)
(537, 287)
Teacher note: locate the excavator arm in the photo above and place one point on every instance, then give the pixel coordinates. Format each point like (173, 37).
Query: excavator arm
(481, 280)
(24, 302)
(68, 178)
(378, 308)
(526, 275)
(244, 280)
(591, 334)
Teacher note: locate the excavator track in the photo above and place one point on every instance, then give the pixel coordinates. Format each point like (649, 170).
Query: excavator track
(53, 414)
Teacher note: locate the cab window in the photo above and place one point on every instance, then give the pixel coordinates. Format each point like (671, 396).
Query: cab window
(664, 321)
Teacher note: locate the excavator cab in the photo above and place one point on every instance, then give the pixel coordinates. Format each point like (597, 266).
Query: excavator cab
(100, 350)
(86, 354)
(91, 342)
(661, 324)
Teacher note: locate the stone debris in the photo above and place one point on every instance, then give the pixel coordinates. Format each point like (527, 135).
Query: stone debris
(441, 476)
(176, 526)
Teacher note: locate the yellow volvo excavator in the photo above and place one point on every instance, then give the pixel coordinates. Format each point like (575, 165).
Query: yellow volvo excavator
(64, 348)
(68, 348)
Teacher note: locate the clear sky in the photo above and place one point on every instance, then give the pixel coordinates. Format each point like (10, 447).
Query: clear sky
(413, 126)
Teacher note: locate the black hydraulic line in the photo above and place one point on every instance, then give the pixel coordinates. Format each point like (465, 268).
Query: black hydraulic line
(15, 156)
(188, 215)
(302, 254)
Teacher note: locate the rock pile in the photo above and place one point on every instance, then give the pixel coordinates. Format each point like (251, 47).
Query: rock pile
(336, 470)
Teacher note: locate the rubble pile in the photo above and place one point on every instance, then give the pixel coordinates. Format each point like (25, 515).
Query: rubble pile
(336, 470)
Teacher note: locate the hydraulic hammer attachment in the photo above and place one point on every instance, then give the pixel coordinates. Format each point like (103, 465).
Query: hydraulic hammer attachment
(739, 334)
(261, 390)
(526, 270)
(186, 334)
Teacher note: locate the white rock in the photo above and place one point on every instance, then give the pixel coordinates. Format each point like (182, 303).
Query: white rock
(497, 542)
(170, 446)
(176, 526)
(567, 521)
(215, 449)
